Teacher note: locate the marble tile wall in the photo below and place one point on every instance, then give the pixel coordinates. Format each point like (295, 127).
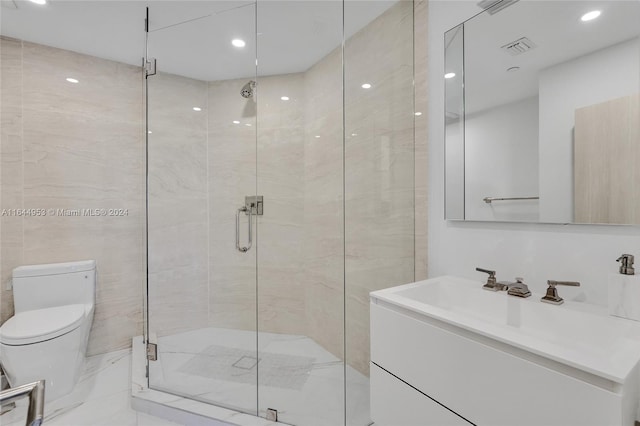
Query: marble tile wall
(276, 152)
(281, 152)
(178, 204)
(420, 45)
(10, 166)
(302, 189)
(231, 162)
(323, 204)
(81, 146)
(379, 168)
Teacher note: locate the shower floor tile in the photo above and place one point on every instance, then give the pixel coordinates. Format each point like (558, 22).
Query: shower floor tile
(240, 365)
(298, 377)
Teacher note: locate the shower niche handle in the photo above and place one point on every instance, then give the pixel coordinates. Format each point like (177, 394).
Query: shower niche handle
(252, 206)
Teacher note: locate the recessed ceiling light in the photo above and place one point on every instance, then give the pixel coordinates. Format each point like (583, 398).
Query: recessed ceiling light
(149, 132)
(450, 75)
(236, 122)
(72, 80)
(366, 86)
(247, 124)
(590, 15)
(197, 109)
(317, 136)
(418, 113)
(354, 134)
(40, 2)
(238, 42)
(284, 98)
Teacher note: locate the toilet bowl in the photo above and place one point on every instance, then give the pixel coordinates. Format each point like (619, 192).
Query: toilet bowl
(47, 337)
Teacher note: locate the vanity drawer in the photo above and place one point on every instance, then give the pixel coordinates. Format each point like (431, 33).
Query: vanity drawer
(485, 385)
(394, 403)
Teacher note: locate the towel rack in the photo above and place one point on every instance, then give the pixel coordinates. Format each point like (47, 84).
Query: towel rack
(488, 200)
(35, 392)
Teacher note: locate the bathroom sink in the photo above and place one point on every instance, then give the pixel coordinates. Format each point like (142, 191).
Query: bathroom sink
(488, 357)
(576, 334)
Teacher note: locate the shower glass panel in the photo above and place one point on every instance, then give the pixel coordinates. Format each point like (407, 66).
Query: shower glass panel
(201, 166)
(379, 174)
(301, 241)
(309, 105)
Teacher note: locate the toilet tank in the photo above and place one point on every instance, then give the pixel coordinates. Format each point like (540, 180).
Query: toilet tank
(54, 284)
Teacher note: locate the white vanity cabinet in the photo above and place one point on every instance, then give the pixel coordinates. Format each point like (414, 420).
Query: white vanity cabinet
(395, 403)
(435, 364)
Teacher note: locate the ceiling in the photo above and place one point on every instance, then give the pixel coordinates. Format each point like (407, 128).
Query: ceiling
(193, 38)
(554, 26)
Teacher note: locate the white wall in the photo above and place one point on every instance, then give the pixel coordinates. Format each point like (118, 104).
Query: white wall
(601, 76)
(535, 251)
(501, 153)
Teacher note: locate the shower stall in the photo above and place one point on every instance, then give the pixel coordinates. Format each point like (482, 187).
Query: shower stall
(280, 192)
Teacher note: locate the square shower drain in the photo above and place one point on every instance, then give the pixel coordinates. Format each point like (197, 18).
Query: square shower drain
(239, 365)
(246, 362)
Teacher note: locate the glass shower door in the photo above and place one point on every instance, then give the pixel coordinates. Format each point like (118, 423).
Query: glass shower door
(301, 241)
(264, 308)
(201, 188)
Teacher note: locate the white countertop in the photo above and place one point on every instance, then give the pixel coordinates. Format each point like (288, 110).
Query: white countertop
(576, 334)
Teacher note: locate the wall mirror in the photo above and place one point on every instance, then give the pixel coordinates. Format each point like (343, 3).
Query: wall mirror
(542, 113)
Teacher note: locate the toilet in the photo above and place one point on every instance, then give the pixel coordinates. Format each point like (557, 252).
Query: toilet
(47, 337)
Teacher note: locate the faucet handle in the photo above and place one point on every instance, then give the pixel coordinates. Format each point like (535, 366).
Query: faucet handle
(519, 280)
(552, 293)
(487, 271)
(491, 280)
(491, 283)
(553, 283)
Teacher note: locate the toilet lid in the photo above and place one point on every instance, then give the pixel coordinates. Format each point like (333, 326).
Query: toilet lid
(39, 325)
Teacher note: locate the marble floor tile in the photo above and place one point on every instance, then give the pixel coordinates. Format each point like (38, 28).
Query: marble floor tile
(148, 420)
(102, 397)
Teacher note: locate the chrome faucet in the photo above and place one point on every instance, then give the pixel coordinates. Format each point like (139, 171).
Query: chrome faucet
(552, 293)
(519, 288)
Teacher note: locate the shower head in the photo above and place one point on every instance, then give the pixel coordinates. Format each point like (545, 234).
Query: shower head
(247, 89)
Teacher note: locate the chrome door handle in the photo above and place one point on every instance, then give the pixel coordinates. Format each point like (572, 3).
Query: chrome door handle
(249, 210)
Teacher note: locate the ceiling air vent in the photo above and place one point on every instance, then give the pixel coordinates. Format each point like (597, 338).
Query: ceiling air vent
(519, 46)
(495, 6)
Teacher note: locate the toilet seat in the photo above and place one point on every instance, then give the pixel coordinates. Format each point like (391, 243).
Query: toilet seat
(39, 325)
